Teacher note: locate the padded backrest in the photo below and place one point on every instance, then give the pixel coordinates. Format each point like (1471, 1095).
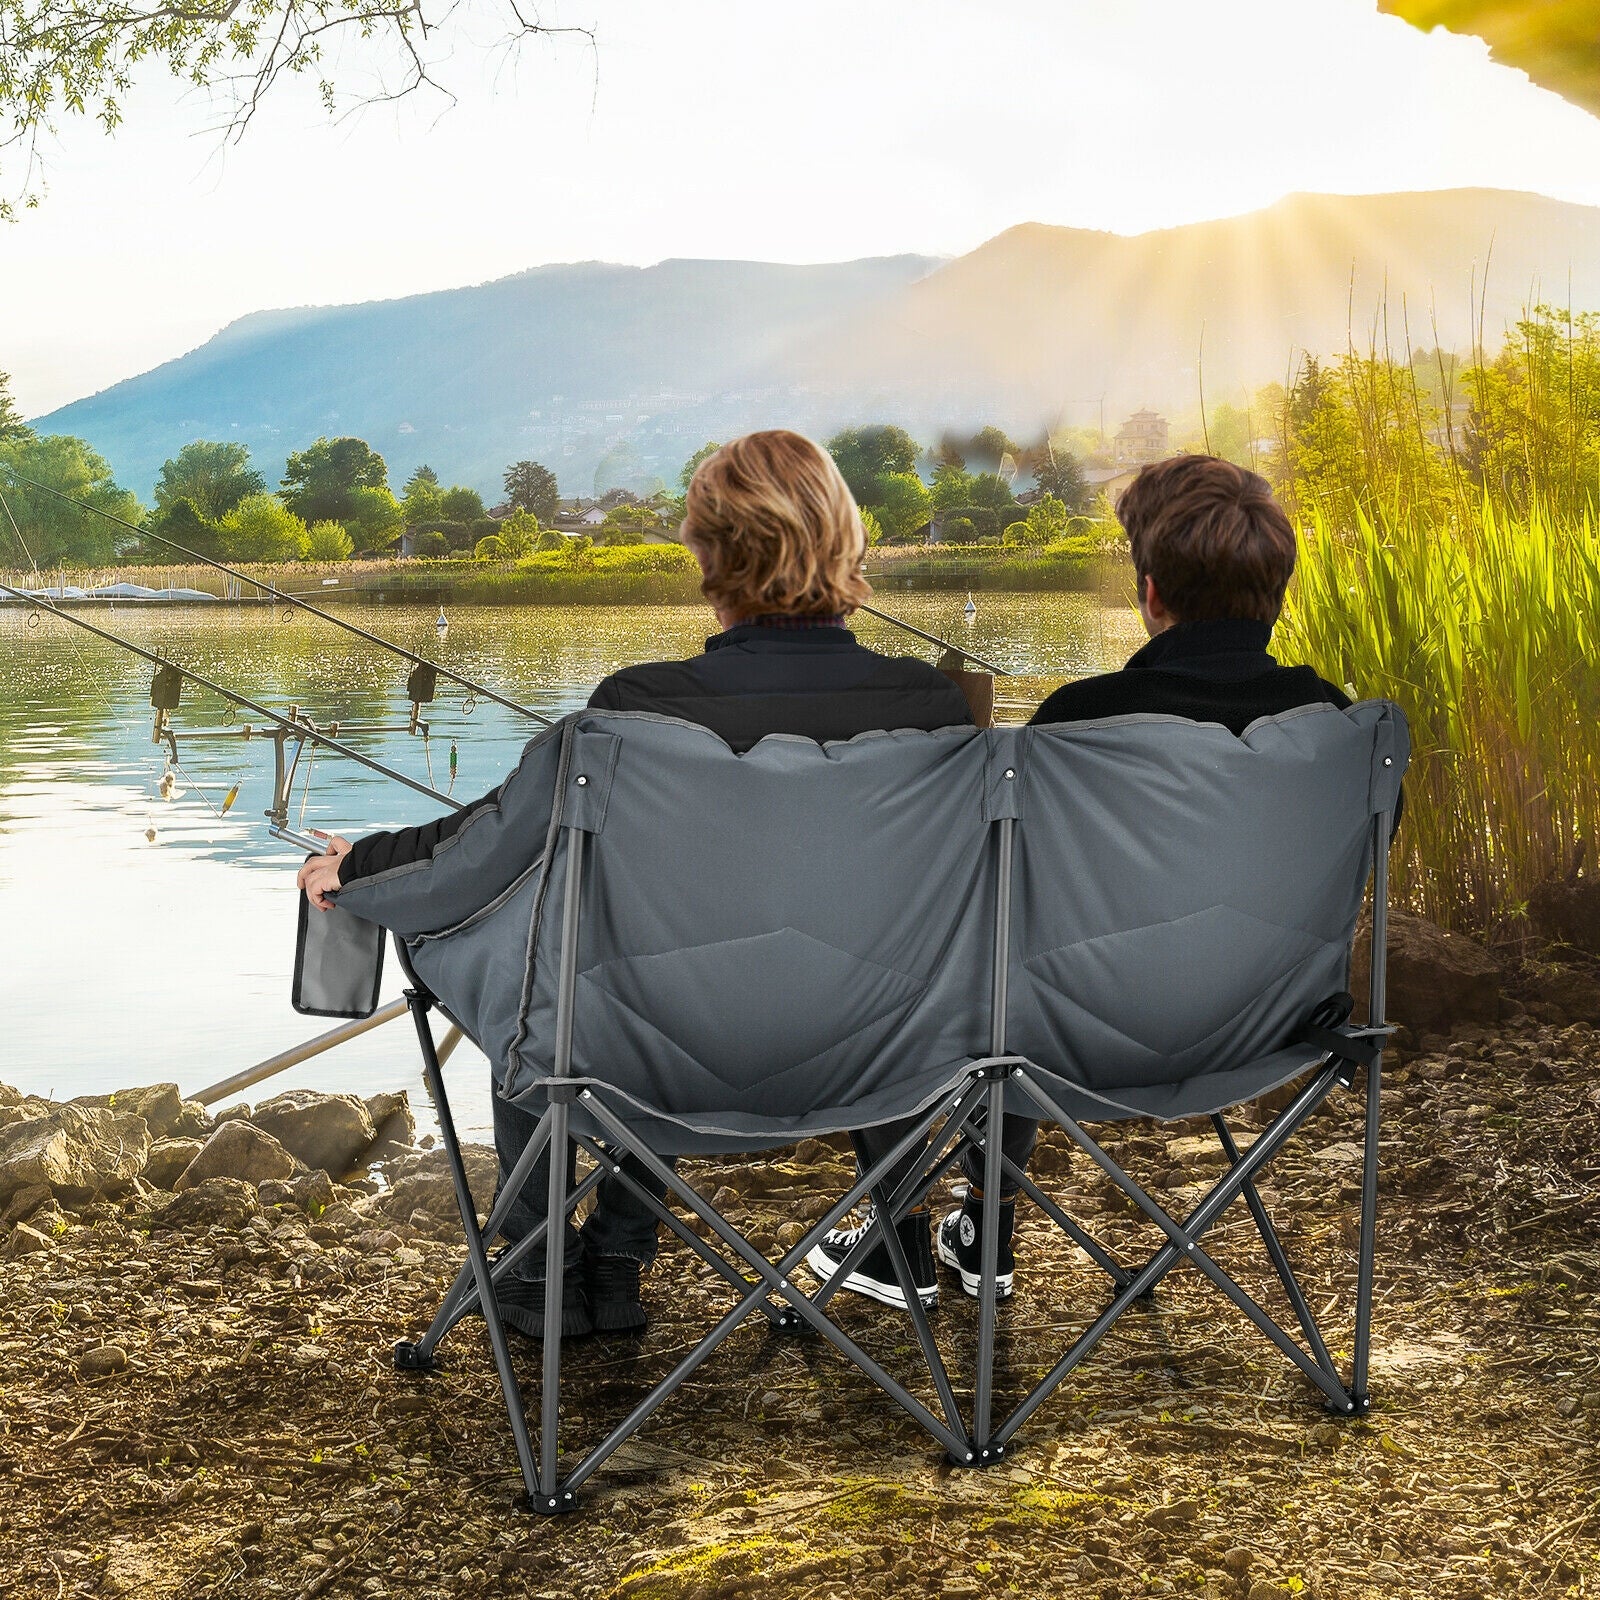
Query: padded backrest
(1183, 897)
(774, 935)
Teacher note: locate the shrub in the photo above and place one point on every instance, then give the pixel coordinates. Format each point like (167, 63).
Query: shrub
(430, 546)
(328, 541)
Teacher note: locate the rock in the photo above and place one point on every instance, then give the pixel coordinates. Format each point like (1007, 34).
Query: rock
(24, 1203)
(325, 1131)
(26, 1241)
(1239, 1559)
(194, 1121)
(392, 1121)
(312, 1192)
(103, 1361)
(168, 1160)
(237, 1150)
(158, 1103)
(1196, 1151)
(1575, 993)
(216, 1202)
(1437, 980)
(77, 1152)
(1567, 913)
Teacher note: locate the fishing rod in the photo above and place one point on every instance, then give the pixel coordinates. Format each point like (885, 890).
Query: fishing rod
(933, 638)
(295, 726)
(293, 600)
(400, 650)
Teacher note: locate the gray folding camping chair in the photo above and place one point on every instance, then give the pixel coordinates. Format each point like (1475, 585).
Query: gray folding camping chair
(1183, 905)
(668, 948)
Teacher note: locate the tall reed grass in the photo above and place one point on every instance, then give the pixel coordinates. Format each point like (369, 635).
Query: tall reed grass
(1487, 634)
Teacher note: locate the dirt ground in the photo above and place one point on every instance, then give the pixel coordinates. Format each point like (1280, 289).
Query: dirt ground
(210, 1411)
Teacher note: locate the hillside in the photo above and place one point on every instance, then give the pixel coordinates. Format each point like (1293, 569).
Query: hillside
(1039, 324)
(549, 363)
(1043, 321)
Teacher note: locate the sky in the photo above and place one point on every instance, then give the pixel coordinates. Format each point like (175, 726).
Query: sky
(819, 130)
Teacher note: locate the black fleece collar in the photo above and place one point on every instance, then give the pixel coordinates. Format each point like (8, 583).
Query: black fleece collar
(829, 637)
(1227, 647)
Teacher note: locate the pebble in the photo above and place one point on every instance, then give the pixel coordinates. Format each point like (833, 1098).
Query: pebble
(102, 1361)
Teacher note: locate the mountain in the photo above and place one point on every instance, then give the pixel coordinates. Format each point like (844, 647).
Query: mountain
(577, 364)
(1042, 322)
(550, 363)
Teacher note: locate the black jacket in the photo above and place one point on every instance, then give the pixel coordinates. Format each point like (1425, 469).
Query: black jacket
(753, 680)
(1218, 671)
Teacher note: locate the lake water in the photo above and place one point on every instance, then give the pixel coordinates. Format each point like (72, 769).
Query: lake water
(126, 961)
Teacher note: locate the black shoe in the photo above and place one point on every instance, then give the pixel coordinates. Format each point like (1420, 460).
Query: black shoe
(873, 1275)
(521, 1302)
(614, 1304)
(960, 1245)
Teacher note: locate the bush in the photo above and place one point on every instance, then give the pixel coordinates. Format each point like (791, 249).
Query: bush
(430, 546)
(488, 548)
(328, 541)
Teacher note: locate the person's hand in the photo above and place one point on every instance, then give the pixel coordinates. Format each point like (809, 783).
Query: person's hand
(319, 877)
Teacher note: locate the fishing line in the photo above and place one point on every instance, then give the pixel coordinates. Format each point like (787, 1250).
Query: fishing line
(291, 600)
(301, 730)
(400, 650)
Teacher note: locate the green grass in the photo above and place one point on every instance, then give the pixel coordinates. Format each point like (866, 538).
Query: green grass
(1486, 634)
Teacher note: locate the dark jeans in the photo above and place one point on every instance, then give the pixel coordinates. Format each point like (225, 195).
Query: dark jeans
(619, 1225)
(1017, 1138)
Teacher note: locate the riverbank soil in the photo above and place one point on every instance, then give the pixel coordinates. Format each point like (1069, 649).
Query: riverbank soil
(199, 1401)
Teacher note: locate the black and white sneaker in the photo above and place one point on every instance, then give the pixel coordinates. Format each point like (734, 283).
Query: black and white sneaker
(960, 1245)
(873, 1275)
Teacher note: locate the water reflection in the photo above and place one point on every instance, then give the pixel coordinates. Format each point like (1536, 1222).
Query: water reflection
(127, 961)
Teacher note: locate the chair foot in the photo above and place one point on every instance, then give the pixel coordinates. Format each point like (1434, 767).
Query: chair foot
(976, 1459)
(409, 1357)
(1356, 1405)
(789, 1321)
(560, 1504)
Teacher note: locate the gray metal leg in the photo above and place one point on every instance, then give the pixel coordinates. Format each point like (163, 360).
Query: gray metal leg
(555, 1271)
(1279, 1257)
(1360, 1398)
(988, 1266)
(1183, 1241)
(774, 1279)
(454, 1307)
(475, 1249)
(687, 1235)
(1090, 1246)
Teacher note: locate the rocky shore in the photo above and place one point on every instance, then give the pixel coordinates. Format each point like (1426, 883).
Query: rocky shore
(196, 1395)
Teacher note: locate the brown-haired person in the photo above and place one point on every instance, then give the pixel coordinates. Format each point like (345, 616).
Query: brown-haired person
(1213, 553)
(780, 546)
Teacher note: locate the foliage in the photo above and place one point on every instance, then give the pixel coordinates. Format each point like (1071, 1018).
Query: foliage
(550, 539)
(901, 505)
(328, 541)
(1487, 639)
(628, 524)
(50, 529)
(262, 528)
(991, 490)
(460, 504)
(12, 425)
(373, 517)
(867, 456)
(180, 522)
(870, 526)
(488, 548)
(212, 475)
(957, 529)
(422, 500)
(1048, 521)
(430, 546)
(952, 486)
(322, 480)
(80, 57)
(532, 487)
(518, 535)
(1059, 473)
(692, 465)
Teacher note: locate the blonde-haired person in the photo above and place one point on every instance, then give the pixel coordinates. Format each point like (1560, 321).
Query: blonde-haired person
(780, 546)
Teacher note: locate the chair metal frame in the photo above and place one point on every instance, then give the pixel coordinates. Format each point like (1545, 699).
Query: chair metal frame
(980, 1085)
(772, 1293)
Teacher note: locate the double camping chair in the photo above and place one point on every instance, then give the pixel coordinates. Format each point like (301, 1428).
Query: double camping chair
(667, 948)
